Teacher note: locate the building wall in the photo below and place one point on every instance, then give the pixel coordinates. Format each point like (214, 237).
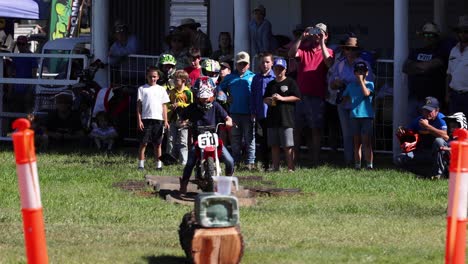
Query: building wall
(372, 20)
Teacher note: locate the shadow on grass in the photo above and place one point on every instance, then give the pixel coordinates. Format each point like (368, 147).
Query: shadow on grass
(166, 260)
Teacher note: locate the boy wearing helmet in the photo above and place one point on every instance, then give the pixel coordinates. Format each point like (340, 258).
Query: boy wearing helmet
(432, 130)
(204, 112)
(167, 64)
(211, 68)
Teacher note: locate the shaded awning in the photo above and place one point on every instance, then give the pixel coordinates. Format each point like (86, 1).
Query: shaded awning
(25, 9)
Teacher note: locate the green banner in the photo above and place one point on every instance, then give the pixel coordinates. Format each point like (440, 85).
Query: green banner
(75, 18)
(59, 18)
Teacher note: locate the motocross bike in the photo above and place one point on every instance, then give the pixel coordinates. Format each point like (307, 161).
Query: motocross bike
(208, 149)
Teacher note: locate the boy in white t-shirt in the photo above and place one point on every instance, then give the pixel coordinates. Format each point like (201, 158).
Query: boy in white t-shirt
(151, 116)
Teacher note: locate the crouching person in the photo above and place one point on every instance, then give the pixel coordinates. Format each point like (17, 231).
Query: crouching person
(63, 125)
(428, 132)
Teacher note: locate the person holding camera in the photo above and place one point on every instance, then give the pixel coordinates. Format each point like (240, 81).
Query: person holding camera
(360, 93)
(340, 75)
(314, 58)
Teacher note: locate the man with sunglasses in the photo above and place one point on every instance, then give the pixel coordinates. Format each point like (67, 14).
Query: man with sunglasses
(426, 68)
(457, 72)
(314, 58)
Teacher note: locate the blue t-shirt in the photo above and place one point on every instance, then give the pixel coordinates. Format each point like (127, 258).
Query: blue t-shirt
(239, 89)
(361, 106)
(425, 138)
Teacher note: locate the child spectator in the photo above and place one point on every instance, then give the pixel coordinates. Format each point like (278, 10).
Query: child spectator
(281, 95)
(151, 116)
(258, 107)
(180, 97)
(103, 133)
(194, 70)
(167, 64)
(63, 124)
(361, 93)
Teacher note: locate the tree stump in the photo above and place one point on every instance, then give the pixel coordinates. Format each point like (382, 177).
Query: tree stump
(210, 245)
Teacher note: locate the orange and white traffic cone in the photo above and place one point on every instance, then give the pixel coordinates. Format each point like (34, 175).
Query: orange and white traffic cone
(28, 181)
(457, 199)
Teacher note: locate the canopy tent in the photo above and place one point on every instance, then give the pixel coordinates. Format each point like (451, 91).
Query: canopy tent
(26, 9)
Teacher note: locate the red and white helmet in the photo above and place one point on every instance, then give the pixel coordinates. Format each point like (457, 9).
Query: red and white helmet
(408, 140)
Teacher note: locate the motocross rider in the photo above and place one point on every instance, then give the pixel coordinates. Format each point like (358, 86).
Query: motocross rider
(204, 112)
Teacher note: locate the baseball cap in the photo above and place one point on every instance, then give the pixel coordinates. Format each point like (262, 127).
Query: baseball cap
(360, 66)
(225, 65)
(430, 27)
(280, 62)
(242, 57)
(431, 103)
(322, 27)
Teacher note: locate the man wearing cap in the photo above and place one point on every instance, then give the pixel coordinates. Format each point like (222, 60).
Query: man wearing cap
(432, 130)
(261, 36)
(426, 69)
(198, 38)
(238, 86)
(20, 96)
(314, 59)
(124, 45)
(457, 72)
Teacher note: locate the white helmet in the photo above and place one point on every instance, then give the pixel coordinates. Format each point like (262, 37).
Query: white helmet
(458, 117)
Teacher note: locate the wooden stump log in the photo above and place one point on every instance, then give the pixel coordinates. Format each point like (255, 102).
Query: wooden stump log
(222, 245)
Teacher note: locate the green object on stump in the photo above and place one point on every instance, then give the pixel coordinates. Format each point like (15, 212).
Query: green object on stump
(214, 210)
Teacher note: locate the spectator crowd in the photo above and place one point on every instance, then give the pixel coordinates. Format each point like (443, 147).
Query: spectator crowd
(290, 94)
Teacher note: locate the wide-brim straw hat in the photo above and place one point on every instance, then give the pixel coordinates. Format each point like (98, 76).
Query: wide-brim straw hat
(462, 23)
(189, 22)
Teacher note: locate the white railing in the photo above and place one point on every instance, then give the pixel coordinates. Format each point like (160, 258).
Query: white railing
(33, 81)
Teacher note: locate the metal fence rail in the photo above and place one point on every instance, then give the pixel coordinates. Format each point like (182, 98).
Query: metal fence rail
(131, 74)
(34, 82)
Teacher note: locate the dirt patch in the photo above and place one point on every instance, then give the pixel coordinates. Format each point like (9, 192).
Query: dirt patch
(138, 187)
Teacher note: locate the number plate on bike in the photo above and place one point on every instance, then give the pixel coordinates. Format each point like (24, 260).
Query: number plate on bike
(207, 140)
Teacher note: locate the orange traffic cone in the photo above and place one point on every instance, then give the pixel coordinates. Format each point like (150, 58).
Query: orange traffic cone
(457, 199)
(31, 207)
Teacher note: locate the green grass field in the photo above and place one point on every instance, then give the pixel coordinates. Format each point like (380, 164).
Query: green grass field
(343, 215)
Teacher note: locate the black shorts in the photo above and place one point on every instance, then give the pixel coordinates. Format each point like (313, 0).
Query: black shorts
(152, 132)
